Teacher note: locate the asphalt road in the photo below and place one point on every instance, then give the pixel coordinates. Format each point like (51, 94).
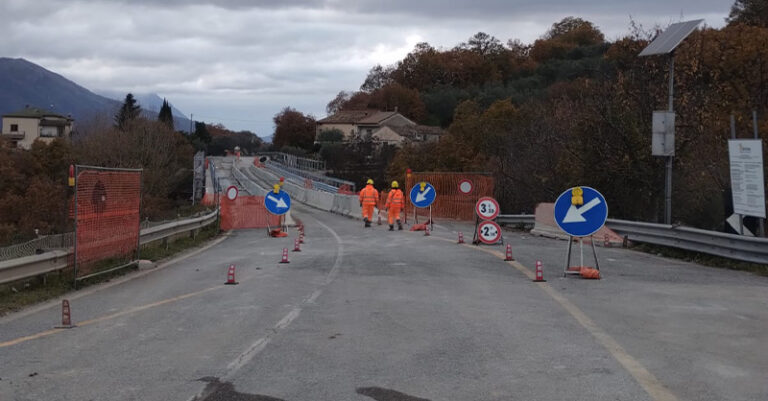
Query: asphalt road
(367, 314)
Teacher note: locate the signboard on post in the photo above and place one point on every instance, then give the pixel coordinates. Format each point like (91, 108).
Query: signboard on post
(277, 203)
(747, 181)
(488, 232)
(422, 194)
(580, 211)
(663, 140)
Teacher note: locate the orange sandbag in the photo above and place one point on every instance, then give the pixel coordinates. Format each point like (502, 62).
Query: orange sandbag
(278, 233)
(590, 273)
(419, 227)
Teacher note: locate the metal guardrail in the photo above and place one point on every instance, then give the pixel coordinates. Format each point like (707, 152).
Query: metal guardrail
(731, 246)
(515, 219)
(321, 182)
(30, 266)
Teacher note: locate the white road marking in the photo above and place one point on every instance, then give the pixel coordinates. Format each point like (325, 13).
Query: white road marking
(257, 346)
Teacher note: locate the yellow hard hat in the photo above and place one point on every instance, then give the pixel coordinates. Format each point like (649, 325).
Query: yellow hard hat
(370, 181)
(394, 184)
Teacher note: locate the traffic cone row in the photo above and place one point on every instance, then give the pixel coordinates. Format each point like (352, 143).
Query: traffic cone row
(508, 254)
(461, 238)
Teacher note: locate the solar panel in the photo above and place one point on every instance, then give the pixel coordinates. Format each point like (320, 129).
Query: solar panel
(670, 38)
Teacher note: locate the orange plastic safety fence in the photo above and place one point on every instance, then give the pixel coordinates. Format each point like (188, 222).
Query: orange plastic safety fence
(450, 202)
(246, 212)
(107, 217)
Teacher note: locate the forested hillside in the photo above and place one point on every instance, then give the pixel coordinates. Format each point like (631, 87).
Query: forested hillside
(574, 109)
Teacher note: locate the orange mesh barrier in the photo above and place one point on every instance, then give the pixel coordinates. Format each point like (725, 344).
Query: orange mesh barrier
(246, 212)
(450, 202)
(107, 217)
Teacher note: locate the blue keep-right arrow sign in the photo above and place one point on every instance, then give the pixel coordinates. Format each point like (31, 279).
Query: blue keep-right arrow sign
(422, 198)
(581, 211)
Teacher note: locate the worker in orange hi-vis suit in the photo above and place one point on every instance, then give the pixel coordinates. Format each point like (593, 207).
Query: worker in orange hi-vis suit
(369, 197)
(395, 203)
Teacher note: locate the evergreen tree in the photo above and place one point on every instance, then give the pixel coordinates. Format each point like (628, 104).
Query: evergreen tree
(128, 112)
(749, 12)
(166, 115)
(201, 132)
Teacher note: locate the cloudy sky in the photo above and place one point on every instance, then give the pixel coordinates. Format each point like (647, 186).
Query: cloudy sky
(238, 62)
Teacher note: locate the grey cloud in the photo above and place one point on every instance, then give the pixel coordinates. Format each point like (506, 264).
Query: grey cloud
(222, 56)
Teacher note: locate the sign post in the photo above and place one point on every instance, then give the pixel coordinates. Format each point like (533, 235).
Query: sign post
(422, 195)
(486, 230)
(580, 212)
(747, 181)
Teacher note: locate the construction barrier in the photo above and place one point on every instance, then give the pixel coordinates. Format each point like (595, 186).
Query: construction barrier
(246, 212)
(107, 218)
(450, 202)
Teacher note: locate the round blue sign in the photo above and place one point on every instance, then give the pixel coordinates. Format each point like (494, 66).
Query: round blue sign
(277, 203)
(581, 211)
(422, 198)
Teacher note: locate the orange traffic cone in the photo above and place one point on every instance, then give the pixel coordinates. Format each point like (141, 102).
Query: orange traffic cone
(285, 256)
(426, 230)
(231, 276)
(461, 238)
(539, 273)
(66, 316)
(296, 245)
(509, 253)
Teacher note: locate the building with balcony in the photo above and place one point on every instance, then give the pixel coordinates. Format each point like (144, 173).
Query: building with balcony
(23, 127)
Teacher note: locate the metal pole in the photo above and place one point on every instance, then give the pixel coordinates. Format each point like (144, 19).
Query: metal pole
(733, 136)
(754, 128)
(191, 121)
(668, 180)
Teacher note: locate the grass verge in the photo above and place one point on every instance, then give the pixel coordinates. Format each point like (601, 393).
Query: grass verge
(19, 294)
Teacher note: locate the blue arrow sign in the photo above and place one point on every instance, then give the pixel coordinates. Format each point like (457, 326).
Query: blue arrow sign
(581, 211)
(277, 203)
(423, 198)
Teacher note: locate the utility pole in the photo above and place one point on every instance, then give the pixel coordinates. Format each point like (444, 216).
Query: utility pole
(191, 121)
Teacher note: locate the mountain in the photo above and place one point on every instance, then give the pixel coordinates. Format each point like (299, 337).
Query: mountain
(24, 83)
(150, 103)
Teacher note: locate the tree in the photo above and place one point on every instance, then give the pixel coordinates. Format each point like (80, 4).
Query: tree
(201, 132)
(331, 135)
(128, 112)
(166, 115)
(293, 128)
(483, 44)
(749, 12)
(377, 78)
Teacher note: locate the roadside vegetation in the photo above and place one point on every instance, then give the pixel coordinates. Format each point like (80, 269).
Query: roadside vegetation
(17, 295)
(571, 108)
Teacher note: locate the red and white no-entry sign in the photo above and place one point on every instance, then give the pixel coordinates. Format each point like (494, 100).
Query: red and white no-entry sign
(487, 208)
(489, 232)
(466, 186)
(232, 193)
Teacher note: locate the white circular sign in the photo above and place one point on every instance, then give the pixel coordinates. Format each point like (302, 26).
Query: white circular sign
(489, 232)
(465, 186)
(487, 208)
(232, 193)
